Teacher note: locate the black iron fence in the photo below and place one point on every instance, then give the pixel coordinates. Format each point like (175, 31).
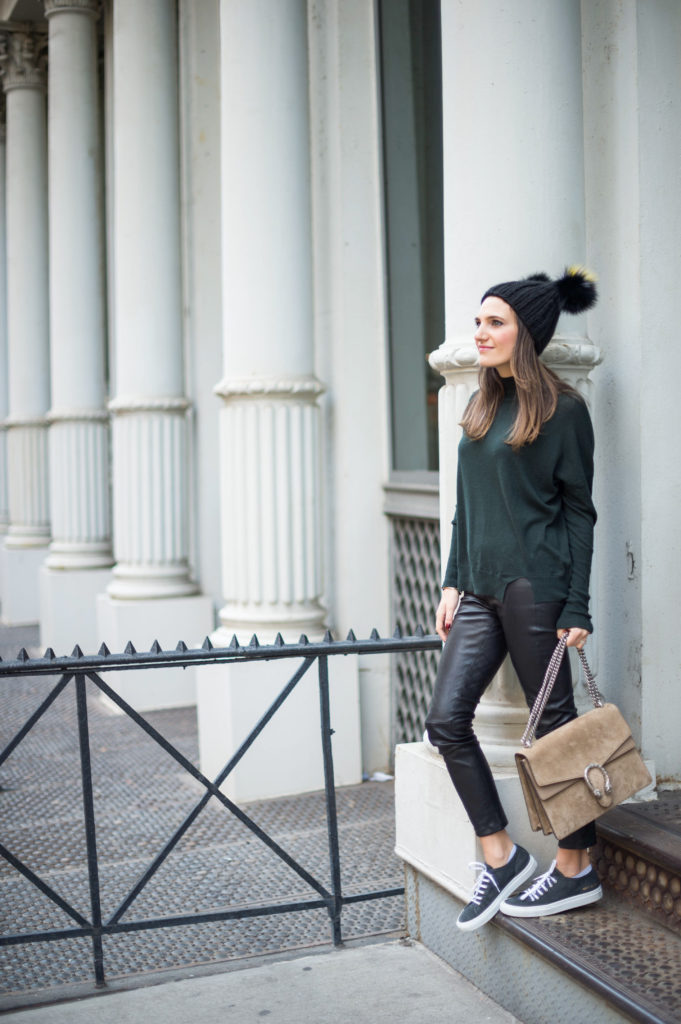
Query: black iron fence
(77, 668)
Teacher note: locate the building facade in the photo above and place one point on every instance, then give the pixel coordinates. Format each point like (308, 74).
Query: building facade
(231, 231)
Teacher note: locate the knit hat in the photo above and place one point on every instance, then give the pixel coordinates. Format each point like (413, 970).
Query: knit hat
(538, 301)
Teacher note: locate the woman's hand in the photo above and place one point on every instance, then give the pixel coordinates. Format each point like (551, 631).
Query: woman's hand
(576, 636)
(445, 612)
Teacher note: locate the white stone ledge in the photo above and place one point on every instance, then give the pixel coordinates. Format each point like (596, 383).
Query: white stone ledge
(433, 832)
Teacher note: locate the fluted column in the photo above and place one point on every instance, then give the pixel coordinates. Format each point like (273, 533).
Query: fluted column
(151, 594)
(270, 426)
(501, 223)
(79, 443)
(23, 66)
(149, 409)
(270, 431)
(271, 505)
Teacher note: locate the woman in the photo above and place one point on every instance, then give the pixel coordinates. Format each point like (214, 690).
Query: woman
(517, 576)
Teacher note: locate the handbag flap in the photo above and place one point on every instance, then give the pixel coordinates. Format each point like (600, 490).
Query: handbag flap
(563, 754)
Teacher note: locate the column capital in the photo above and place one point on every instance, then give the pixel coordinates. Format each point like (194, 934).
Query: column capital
(454, 354)
(23, 60)
(92, 7)
(571, 352)
(459, 354)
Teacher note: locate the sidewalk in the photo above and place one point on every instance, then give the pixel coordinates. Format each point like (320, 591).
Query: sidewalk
(378, 984)
(141, 796)
(375, 978)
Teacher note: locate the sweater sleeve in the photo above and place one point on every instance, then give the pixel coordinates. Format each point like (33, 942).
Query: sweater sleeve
(574, 474)
(451, 573)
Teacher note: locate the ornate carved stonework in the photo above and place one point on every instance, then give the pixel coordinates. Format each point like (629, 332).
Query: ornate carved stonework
(77, 416)
(571, 352)
(145, 403)
(274, 387)
(461, 354)
(23, 60)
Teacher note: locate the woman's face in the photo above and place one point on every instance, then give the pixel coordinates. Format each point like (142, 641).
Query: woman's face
(496, 334)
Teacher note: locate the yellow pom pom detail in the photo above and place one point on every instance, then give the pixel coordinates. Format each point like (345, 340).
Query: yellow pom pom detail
(576, 270)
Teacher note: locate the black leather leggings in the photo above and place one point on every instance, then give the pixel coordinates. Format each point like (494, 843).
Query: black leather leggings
(483, 632)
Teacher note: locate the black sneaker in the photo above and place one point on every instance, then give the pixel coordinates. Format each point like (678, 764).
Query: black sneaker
(552, 893)
(492, 886)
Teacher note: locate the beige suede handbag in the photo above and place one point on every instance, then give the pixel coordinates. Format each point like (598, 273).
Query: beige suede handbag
(582, 769)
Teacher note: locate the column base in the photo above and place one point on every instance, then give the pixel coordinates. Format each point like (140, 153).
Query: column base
(80, 556)
(167, 620)
(68, 608)
(287, 757)
(434, 834)
(21, 583)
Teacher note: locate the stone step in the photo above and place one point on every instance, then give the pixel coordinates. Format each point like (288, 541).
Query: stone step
(615, 951)
(617, 960)
(606, 964)
(638, 856)
(627, 948)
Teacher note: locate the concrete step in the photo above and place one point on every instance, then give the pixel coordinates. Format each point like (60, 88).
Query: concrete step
(628, 948)
(638, 856)
(628, 959)
(607, 963)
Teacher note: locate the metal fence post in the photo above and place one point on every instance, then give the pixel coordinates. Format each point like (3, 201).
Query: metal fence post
(331, 810)
(90, 836)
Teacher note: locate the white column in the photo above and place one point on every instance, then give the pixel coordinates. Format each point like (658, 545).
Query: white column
(513, 205)
(501, 223)
(350, 331)
(149, 408)
(27, 324)
(270, 421)
(80, 552)
(152, 592)
(4, 395)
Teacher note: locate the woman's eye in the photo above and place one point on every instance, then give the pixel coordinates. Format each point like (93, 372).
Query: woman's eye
(496, 323)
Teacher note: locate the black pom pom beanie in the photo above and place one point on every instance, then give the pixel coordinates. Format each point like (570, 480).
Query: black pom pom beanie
(538, 301)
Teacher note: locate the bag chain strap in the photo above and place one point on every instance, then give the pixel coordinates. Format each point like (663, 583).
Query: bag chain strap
(547, 685)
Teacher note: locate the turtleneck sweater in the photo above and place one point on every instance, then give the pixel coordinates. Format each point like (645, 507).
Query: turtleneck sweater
(527, 513)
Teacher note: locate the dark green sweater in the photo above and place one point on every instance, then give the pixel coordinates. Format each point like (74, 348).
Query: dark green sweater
(527, 513)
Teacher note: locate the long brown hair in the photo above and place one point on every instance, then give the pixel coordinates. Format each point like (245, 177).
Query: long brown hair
(537, 388)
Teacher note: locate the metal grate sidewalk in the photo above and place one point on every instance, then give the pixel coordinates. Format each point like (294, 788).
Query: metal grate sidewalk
(219, 863)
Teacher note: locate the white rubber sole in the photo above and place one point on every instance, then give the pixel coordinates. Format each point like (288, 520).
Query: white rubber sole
(582, 899)
(488, 914)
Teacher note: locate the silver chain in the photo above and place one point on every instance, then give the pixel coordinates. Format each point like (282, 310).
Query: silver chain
(547, 685)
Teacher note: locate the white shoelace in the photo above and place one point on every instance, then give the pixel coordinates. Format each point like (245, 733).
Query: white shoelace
(540, 885)
(482, 881)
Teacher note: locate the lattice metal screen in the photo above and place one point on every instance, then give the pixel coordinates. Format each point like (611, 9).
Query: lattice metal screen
(416, 593)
